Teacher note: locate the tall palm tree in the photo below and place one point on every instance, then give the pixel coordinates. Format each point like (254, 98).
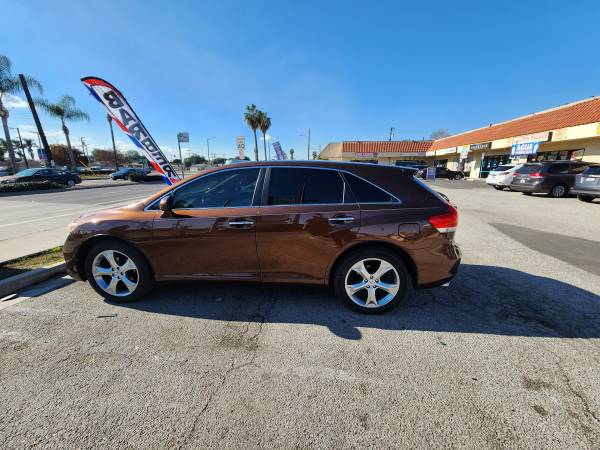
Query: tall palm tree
(21, 151)
(10, 84)
(251, 118)
(66, 111)
(28, 143)
(264, 123)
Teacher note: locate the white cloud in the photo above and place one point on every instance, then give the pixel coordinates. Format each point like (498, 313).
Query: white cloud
(269, 138)
(53, 136)
(13, 101)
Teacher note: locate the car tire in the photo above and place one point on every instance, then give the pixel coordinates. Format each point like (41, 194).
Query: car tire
(71, 183)
(125, 278)
(528, 193)
(363, 292)
(558, 191)
(585, 198)
(458, 176)
(498, 188)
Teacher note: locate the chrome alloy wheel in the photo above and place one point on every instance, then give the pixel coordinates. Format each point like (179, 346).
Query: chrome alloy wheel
(372, 283)
(115, 273)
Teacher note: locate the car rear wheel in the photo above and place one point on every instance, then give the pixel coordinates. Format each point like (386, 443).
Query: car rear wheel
(585, 198)
(371, 281)
(458, 176)
(70, 183)
(498, 188)
(118, 272)
(558, 191)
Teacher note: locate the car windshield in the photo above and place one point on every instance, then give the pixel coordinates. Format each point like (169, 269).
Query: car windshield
(592, 170)
(530, 168)
(26, 173)
(502, 168)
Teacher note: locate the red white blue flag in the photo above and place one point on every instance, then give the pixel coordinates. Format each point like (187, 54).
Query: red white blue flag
(126, 118)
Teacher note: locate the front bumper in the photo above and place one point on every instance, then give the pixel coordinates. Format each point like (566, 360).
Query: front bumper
(582, 191)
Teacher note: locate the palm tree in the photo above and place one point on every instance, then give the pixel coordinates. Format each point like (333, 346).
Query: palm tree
(66, 111)
(10, 84)
(2, 149)
(19, 146)
(264, 123)
(251, 118)
(29, 145)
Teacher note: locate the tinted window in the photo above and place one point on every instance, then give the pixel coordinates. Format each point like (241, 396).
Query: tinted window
(288, 186)
(227, 188)
(592, 170)
(558, 168)
(365, 192)
(26, 173)
(578, 168)
(502, 168)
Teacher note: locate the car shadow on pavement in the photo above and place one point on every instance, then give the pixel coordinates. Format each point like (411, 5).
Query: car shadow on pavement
(481, 299)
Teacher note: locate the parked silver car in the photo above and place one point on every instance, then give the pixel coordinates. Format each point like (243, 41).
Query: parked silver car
(587, 185)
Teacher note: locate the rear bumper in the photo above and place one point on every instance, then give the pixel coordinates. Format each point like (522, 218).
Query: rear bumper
(440, 269)
(452, 273)
(533, 188)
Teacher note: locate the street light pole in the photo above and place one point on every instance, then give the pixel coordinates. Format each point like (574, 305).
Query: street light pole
(112, 137)
(208, 148)
(309, 143)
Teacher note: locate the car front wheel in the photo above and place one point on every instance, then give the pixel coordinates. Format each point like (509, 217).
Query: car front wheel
(70, 183)
(118, 272)
(371, 281)
(585, 198)
(497, 187)
(458, 176)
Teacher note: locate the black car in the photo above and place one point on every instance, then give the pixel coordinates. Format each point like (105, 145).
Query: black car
(555, 178)
(123, 174)
(42, 174)
(587, 185)
(442, 172)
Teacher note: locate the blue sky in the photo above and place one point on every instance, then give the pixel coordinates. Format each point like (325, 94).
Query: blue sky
(349, 70)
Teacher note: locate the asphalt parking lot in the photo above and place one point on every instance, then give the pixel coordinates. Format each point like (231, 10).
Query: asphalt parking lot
(507, 357)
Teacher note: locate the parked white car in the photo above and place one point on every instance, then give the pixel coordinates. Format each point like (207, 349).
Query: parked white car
(502, 176)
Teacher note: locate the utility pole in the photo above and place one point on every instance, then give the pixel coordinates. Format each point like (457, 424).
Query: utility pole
(392, 133)
(208, 148)
(309, 143)
(112, 137)
(84, 149)
(292, 154)
(22, 148)
(36, 119)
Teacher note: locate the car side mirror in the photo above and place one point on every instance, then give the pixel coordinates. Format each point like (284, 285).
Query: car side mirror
(166, 205)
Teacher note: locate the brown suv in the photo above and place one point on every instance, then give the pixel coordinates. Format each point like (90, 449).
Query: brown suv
(367, 230)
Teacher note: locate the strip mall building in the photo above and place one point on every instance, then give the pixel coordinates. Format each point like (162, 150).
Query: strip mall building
(570, 131)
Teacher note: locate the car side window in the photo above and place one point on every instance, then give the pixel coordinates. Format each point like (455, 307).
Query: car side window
(228, 188)
(365, 192)
(557, 169)
(300, 186)
(578, 168)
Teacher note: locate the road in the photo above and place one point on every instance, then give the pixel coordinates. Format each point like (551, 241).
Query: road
(35, 222)
(507, 357)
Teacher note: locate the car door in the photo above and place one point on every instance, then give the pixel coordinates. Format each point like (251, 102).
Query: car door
(210, 233)
(305, 219)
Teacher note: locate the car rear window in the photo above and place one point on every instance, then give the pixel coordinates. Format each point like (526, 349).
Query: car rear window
(592, 170)
(297, 186)
(502, 168)
(530, 168)
(365, 192)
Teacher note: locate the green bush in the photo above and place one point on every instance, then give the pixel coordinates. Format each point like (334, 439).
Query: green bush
(30, 186)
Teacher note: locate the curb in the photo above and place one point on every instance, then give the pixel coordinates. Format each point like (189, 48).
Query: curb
(82, 188)
(17, 282)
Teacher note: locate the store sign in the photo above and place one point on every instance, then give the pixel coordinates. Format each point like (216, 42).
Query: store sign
(526, 148)
(365, 155)
(480, 146)
(446, 151)
(464, 152)
(184, 136)
(535, 137)
(430, 174)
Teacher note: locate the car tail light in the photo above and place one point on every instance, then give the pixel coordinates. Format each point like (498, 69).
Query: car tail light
(536, 175)
(516, 174)
(447, 222)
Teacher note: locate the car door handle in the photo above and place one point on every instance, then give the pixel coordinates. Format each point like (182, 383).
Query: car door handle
(341, 219)
(240, 223)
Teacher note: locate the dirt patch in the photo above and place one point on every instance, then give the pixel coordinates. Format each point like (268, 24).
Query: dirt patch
(35, 261)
